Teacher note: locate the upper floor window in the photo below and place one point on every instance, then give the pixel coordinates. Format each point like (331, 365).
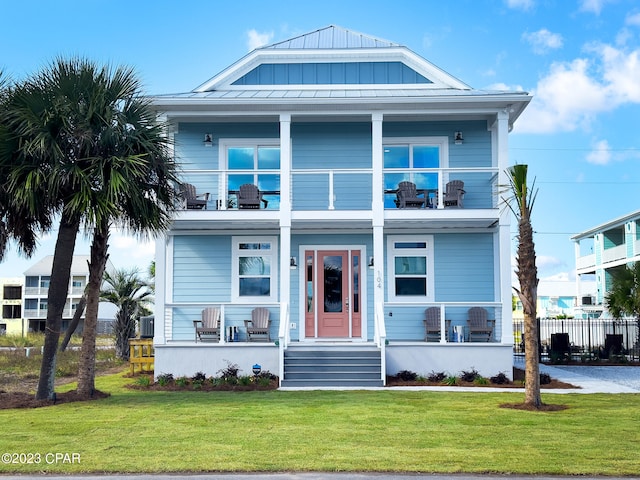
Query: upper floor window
(410, 268)
(12, 292)
(415, 160)
(254, 269)
(256, 162)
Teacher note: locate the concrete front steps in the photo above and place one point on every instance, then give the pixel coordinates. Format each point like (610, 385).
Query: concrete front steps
(340, 366)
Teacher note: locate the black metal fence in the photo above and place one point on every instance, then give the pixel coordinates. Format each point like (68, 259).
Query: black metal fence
(583, 339)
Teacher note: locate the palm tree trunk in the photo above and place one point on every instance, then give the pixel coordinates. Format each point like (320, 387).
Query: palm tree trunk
(99, 256)
(56, 299)
(75, 321)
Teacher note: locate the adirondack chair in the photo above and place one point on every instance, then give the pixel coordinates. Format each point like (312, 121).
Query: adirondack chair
(193, 201)
(250, 197)
(208, 328)
(454, 194)
(407, 196)
(258, 326)
(432, 325)
(480, 328)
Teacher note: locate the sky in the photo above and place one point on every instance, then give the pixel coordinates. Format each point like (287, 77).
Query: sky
(580, 59)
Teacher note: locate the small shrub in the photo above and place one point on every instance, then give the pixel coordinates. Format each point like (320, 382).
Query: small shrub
(231, 371)
(407, 375)
(143, 381)
(469, 376)
(545, 379)
(499, 379)
(436, 377)
(450, 380)
(264, 381)
(245, 380)
(182, 382)
(197, 384)
(165, 379)
(481, 381)
(199, 377)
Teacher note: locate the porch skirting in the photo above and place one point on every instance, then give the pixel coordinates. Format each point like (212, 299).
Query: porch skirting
(187, 359)
(488, 359)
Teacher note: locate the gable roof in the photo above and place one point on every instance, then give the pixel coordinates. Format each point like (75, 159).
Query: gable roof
(331, 36)
(332, 44)
(337, 68)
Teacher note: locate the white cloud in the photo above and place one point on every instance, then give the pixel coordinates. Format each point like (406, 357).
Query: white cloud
(601, 153)
(256, 39)
(520, 4)
(572, 93)
(131, 252)
(548, 262)
(633, 19)
(543, 41)
(593, 6)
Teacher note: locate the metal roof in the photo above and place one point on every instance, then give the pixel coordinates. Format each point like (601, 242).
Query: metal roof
(331, 36)
(616, 222)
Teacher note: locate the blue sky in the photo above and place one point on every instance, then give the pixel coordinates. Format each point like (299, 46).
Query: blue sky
(579, 58)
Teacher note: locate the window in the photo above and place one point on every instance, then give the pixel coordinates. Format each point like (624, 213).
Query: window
(256, 162)
(410, 265)
(12, 292)
(11, 311)
(44, 282)
(414, 160)
(254, 269)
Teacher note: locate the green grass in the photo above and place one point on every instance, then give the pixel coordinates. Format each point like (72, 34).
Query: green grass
(146, 431)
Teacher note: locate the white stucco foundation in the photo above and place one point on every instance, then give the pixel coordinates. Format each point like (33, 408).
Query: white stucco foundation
(188, 359)
(451, 358)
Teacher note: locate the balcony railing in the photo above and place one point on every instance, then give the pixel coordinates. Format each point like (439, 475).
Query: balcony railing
(345, 188)
(614, 253)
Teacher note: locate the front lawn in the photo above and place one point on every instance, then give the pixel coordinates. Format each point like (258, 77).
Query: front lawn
(404, 431)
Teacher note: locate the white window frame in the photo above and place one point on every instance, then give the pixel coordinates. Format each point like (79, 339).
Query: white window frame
(272, 253)
(427, 252)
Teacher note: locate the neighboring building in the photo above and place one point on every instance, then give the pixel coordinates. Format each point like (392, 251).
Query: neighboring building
(600, 251)
(327, 125)
(558, 298)
(11, 299)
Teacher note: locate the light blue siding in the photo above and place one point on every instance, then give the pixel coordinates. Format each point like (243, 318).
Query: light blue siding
(201, 268)
(331, 145)
(336, 73)
(464, 267)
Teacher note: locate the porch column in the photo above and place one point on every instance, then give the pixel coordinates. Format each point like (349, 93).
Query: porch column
(377, 208)
(503, 237)
(160, 292)
(285, 209)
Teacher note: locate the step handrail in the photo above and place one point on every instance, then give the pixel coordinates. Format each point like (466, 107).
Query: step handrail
(284, 337)
(380, 338)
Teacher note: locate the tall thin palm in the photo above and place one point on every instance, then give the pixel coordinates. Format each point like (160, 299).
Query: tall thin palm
(92, 152)
(131, 294)
(521, 204)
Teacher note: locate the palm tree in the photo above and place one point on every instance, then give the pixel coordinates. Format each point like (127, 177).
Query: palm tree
(91, 151)
(524, 197)
(623, 297)
(130, 293)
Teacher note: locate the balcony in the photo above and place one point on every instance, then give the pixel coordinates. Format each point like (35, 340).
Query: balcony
(612, 254)
(344, 189)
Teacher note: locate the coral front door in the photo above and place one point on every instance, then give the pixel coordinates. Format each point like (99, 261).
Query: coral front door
(333, 294)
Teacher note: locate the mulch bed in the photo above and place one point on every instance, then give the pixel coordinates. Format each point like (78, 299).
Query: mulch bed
(10, 400)
(27, 400)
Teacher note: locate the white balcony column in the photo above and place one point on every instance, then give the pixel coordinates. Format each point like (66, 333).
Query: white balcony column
(285, 208)
(503, 270)
(378, 208)
(160, 292)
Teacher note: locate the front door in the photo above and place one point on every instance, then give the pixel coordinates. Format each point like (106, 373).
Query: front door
(333, 293)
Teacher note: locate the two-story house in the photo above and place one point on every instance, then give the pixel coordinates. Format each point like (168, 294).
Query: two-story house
(600, 251)
(346, 185)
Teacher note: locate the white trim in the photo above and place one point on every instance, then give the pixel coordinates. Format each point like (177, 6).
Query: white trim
(427, 252)
(273, 253)
(303, 289)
